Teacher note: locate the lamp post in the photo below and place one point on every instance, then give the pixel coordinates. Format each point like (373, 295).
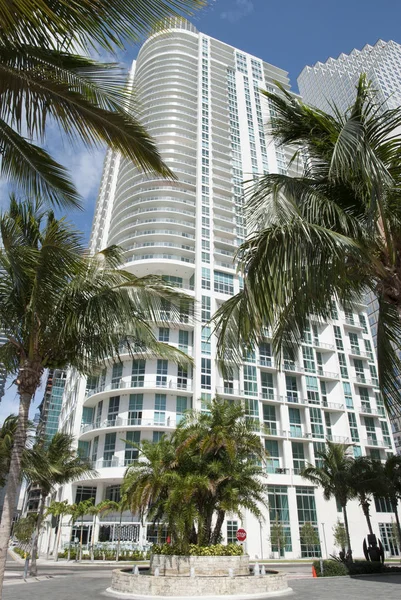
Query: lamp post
(324, 539)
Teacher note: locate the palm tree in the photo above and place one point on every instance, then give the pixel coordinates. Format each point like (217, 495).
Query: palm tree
(389, 485)
(333, 476)
(102, 508)
(78, 511)
(364, 481)
(44, 81)
(57, 510)
(7, 435)
(56, 463)
(211, 466)
(330, 228)
(60, 307)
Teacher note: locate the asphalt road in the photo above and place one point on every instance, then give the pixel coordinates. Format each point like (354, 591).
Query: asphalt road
(85, 582)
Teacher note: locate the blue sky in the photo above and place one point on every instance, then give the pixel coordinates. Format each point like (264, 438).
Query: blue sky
(289, 34)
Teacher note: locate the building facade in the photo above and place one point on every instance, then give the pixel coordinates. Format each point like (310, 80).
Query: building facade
(200, 100)
(50, 407)
(334, 81)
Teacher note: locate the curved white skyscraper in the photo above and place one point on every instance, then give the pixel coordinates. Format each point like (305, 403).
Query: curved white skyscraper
(200, 100)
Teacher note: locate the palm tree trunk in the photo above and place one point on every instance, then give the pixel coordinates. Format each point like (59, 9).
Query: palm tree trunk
(34, 569)
(365, 508)
(80, 539)
(394, 503)
(58, 535)
(93, 538)
(217, 528)
(13, 481)
(119, 537)
(347, 530)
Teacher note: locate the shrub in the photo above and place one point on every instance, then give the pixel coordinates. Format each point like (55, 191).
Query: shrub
(216, 550)
(333, 568)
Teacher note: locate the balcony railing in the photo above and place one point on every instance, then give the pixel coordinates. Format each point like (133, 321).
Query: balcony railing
(147, 383)
(124, 423)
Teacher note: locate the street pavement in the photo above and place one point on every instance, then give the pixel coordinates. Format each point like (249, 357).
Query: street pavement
(89, 582)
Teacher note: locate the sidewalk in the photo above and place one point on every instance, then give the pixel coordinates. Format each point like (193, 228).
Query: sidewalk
(63, 562)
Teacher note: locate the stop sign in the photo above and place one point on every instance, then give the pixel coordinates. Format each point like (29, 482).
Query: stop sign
(241, 535)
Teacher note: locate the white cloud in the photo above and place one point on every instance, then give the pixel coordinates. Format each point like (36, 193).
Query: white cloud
(243, 8)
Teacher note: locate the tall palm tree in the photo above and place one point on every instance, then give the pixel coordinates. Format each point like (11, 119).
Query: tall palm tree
(102, 508)
(364, 481)
(389, 484)
(333, 476)
(57, 510)
(330, 228)
(49, 465)
(60, 307)
(78, 512)
(44, 81)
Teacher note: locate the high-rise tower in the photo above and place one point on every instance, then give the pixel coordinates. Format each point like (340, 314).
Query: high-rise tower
(334, 81)
(200, 99)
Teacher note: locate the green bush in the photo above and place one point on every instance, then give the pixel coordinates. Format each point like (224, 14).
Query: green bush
(331, 568)
(105, 554)
(216, 550)
(21, 552)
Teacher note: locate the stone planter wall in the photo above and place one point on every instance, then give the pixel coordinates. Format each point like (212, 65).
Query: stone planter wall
(138, 586)
(203, 565)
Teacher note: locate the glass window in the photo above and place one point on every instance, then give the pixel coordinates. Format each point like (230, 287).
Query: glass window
(131, 453)
(114, 407)
(357, 451)
(273, 456)
(279, 513)
(183, 340)
(206, 370)
(206, 312)
(250, 381)
(157, 436)
(116, 375)
(265, 354)
(232, 528)
(312, 390)
(161, 372)
(298, 457)
(182, 377)
(309, 362)
(383, 505)
(370, 430)
(205, 278)
(164, 334)
(295, 422)
(292, 388)
(316, 422)
(307, 514)
(359, 370)
(338, 337)
(113, 492)
(181, 407)
(386, 433)
(138, 373)
(206, 346)
(87, 415)
(343, 365)
(223, 283)
(85, 492)
(269, 419)
(160, 409)
(84, 449)
(354, 342)
(353, 427)
(135, 409)
(267, 385)
(348, 395)
(109, 448)
(95, 447)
